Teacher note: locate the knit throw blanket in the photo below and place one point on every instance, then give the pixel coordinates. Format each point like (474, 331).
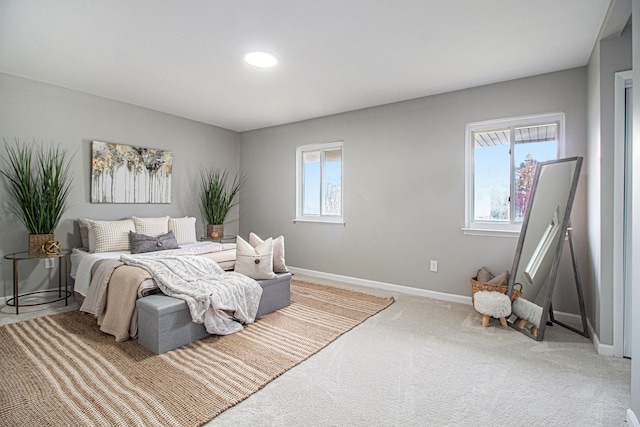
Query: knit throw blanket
(223, 301)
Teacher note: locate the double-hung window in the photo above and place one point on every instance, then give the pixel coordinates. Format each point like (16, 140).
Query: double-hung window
(501, 157)
(319, 182)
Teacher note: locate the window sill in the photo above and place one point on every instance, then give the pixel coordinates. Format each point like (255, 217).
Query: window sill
(338, 223)
(490, 232)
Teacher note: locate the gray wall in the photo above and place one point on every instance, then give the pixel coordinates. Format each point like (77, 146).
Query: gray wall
(403, 184)
(35, 111)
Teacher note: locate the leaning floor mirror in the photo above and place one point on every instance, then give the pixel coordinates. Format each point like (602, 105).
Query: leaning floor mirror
(537, 260)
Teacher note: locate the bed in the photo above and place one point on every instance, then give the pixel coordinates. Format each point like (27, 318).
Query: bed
(84, 263)
(119, 264)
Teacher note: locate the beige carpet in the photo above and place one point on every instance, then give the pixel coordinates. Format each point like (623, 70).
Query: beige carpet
(61, 370)
(428, 362)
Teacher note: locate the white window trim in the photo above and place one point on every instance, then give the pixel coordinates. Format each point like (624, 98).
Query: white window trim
(318, 219)
(488, 228)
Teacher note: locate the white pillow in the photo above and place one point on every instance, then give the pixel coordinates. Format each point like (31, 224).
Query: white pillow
(279, 265)
(153, 227)
(111, 236)
(184, 229)
(257, 262)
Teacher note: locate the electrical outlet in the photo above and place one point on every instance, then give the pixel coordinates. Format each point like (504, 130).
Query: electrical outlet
(434, 266)
(49, 263)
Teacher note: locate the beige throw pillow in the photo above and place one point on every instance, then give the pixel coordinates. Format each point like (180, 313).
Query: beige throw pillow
(153, 227)
(257, 262)
(279, 265)
(110, 236)
(184, 229)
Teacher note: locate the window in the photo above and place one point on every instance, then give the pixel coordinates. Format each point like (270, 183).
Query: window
(319, 175)
(501, 159)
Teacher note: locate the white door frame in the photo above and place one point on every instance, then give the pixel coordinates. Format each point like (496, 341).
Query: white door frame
(621, 80)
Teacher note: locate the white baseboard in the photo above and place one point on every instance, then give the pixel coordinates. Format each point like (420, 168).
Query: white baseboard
(382, 285)
(632, 420)
(602, 349)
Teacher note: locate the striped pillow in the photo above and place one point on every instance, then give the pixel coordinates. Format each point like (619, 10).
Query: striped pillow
(111, 236)
(184, 229)
(153, 227)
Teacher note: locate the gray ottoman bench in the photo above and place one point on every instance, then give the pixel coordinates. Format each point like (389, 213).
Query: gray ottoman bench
(164, 323)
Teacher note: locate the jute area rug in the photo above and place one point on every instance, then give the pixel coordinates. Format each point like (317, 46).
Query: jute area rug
(61, 370)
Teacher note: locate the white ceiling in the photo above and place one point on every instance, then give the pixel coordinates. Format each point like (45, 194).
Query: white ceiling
(184, 57)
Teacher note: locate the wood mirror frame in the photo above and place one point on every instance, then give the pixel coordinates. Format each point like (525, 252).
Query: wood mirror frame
(537, 257)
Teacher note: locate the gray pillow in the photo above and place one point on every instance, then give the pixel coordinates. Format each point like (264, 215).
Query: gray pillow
(484, 275)
(140, 243)
(504, 276)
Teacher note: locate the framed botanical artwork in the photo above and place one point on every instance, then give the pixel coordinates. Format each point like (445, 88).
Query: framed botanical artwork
(126, 174)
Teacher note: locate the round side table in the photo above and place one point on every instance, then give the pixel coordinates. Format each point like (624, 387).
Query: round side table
(62, 257)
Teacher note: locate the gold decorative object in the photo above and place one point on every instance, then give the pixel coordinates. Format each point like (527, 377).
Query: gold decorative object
(52, 247)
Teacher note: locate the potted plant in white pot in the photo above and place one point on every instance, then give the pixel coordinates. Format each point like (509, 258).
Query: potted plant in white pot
(217, 197)
(37, 181)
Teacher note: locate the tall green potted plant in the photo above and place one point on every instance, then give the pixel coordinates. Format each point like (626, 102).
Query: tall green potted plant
(37, 181)
(217, 197)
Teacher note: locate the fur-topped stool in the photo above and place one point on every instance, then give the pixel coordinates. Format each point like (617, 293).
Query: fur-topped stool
(492, 304)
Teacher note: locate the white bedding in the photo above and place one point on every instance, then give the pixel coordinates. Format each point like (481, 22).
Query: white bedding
(82, 261)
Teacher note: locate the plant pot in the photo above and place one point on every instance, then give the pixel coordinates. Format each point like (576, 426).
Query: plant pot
(215, 228)
(36, 241)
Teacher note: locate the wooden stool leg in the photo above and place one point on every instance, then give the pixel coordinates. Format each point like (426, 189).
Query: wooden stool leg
(521, 323)
(503, 322)
(534, 330)
(485, 320)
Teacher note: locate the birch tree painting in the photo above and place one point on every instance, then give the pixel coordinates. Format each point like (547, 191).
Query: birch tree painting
(125, 174)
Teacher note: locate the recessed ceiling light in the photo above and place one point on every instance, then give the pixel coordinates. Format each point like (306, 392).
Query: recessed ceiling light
(260, 59)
